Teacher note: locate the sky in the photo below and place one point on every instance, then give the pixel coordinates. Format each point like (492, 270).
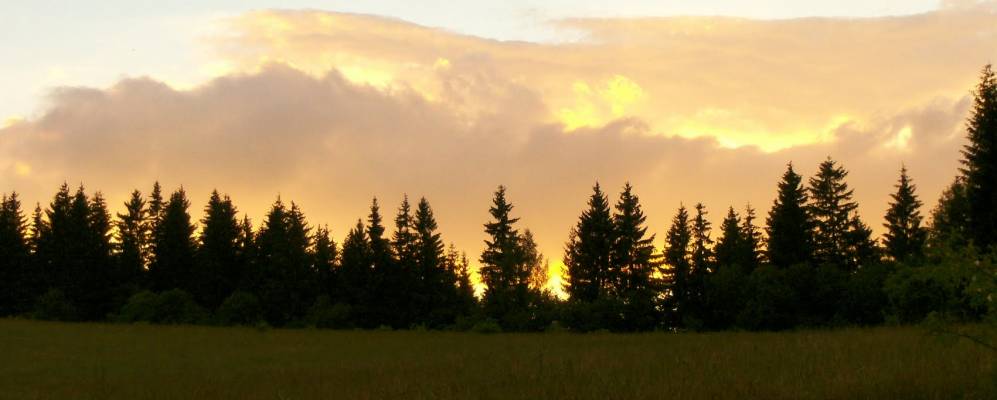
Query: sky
(331, 103)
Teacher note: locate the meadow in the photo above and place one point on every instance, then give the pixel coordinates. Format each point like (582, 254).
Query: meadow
(42, 360)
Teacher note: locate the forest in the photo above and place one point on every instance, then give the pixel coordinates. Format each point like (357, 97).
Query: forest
(810, 261)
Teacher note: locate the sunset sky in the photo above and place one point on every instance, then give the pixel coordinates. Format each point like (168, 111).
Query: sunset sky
(329, 103)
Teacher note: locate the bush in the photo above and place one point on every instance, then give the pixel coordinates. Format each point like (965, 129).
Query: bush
(240, 308)
(770, 303)
(170, 307)
(54, 306)
(178, 307)
(488, 325)
(140, 307)
(326, 314)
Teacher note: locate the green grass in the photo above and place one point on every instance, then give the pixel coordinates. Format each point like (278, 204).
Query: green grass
(102, 361)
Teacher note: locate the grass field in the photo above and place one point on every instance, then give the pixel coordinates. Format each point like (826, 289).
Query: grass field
(40, 360)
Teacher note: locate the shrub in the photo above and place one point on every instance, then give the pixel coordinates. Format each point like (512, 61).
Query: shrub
(488, 325)
(140, 307)
(54, 306)
(178, 307)
(326, 314)
(240, 308)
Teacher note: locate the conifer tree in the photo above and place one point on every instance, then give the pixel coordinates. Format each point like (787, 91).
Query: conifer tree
(589, 273)
(506, 267)
(356, 275)
(326, 255)
(98, 280)
(702, 251)
(680, 286)
(286, 284)
(219, 267)
(14, 262)
(388, 283)
(156, 206)
(790, 229)
(750, 248)
(728, 248)
(950, 217)
(460, 268)
(633, 254)
(132, 237)
(173, 246)
(905, 237)
(438, 280)
(832, 209)
(412, 301)
(980, 162)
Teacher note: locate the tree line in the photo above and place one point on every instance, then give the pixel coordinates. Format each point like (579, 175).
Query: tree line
(813, 262)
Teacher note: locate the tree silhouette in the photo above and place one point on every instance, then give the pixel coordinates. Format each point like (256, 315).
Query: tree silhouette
(728, 248)
(590, 273)
(831, 208)
(173, 245)
(132, 241)
(790, 229)
(16, 287)
(220, 268)
(285, 282)
(980, 162)
(356, 275)
(680, 286)
(905, 237)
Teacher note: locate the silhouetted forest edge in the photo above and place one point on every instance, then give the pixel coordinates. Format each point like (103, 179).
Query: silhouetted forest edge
(813, 262)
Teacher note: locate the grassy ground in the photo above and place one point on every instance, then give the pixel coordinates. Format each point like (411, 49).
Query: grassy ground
(97, 361)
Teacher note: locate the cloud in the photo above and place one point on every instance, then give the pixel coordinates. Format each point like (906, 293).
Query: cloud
(332, 109)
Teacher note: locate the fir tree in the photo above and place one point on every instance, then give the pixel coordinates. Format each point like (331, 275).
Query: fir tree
(728, 248)
(326, 256)
(681, 287)
(589, 272)
(438, 279)
(505, 268)
(750, 248)
(356, 275)
(790, 229)
(14, 262)
(132, 237)
(389, 283)
(286, 284)
(905, 237)
(220, 270)
(980, 162)
(832, 210)
(173, 246)
(950, 217)
(633, 255)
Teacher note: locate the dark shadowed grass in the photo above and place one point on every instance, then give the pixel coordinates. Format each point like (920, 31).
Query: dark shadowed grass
(40, 360)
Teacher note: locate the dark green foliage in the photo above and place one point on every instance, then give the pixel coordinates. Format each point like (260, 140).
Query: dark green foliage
(590, 274)
(942, 285)
(790, 229)
(950, 218)
(17, 285)
(284, 279)
(980, 162)
(172, 265)
(905, 237)
(681, 289)
(219, 267)
(173, 306)
(132, 242)
(633, 256)
(769, 303)
(240, 308)
(831, 208)
(326, 314)
(864, 301)
(53, 305)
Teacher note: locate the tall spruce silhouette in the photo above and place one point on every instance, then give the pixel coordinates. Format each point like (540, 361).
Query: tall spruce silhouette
(219, 266)
(286, 285)
(750, 253)
(173, 245)
(633, 256)
(132, 241)
(728, 248)
(789, 227)
(438, 280)
(840, 237)
(681, 289)
(979, 163)
(590, 273)
(506, 268)
(16, 290)
(356, 276)
(905, 237)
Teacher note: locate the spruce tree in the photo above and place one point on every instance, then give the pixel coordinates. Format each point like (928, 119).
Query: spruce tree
(633, 254)
(438, 280)
(905, 237)
(326, 256)
(388, 283)
(505, 267)
(980, 162)
(728, 248)
(750, 248)
(219, 267)
(413, 300)
(173, 246)
(286, 284)
(681, 291)
(589, 273)
(950, 217)
(15, 287)
(132, 238)
(356, 275)
(838, 232)
(99, 281)
(790, 229)
(702, 251)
